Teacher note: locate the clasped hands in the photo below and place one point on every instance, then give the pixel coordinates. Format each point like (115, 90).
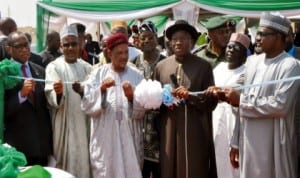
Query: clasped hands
(127, 88)
(229, 95)
(58, 87)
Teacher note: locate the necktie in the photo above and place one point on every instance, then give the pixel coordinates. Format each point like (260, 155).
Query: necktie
(31, 94)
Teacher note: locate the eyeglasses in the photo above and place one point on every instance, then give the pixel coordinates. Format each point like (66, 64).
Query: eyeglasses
(174, 40)
(21, 46)
(234, 47)
(264, 34)
(67, 45)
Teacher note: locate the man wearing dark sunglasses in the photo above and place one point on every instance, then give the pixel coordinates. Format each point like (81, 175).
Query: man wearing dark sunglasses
(70, 124)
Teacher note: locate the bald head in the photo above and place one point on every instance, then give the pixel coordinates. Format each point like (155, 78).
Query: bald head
(7, 26)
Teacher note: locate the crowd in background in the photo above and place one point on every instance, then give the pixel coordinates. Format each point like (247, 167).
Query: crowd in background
(84, 117)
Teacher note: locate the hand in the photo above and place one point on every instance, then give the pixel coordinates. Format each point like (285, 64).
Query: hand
(128, 90)
(232, 96)
(58, 87)
(28, 87)
(181, 92)
(107, 83)
(215, 92)
(76, 86)
(234, 157)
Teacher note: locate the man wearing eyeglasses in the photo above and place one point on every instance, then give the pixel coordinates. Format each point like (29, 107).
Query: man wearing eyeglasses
(266, 138)
(219, 30)
(27, 125)
(228, 73)
(70, 124)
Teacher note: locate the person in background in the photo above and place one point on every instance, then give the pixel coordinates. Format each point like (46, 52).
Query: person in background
(186, 131)
(7, 26)
(135, 36)
(92, 48)
(35, 58)
(146, 63)
(109, 100)
(266, 138)
(219, 30)
(82, 53)
(120, 26)
(70, 124)
(27, 124)
(228, 73)
(53, 48)
(168, 51)
(290, 47)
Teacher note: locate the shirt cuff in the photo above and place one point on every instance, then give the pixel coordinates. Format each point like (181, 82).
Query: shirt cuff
(21, 98)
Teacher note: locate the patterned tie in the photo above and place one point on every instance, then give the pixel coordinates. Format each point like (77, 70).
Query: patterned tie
(31, 94)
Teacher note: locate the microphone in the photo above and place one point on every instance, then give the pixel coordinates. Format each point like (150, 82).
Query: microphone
(174, 80)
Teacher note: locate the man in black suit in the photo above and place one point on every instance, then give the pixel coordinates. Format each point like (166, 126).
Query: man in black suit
(27, 125)
(93, 49)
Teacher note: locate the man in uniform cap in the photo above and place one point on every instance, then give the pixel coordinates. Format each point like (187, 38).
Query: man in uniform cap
(219, 30)
(186, 131)
(266, 138)
(70, 124)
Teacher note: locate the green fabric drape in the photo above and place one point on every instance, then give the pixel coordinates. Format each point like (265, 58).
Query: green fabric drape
(7, 68)
(159, 21)
(253, 5)
(108, 5)
(44, 15)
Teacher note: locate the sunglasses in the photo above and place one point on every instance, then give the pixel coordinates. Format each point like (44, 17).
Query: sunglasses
(234, 47)
(21, 46)
(67, 45)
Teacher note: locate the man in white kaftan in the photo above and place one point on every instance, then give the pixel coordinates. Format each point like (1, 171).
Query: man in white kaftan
(112, 146)
(267, 138)
(70, 123)
(229, 73)
(116, 142)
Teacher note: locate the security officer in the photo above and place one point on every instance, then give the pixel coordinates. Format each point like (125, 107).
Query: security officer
(219, 31)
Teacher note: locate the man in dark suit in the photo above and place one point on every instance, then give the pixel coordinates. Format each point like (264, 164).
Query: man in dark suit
(93, 49)
(27, 125)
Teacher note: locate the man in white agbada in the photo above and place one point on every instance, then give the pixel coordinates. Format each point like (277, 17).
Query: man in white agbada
(70, 124)
(266, 138)
(116, 130)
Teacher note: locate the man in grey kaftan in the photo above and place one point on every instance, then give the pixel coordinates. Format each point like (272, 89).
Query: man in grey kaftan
(267, 138)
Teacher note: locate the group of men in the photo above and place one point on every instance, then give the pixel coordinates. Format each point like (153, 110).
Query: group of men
(87, 119)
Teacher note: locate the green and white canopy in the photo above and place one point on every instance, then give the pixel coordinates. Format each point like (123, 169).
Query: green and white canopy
(107, 10)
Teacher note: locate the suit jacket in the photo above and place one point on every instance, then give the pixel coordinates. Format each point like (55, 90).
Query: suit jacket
(27, 126)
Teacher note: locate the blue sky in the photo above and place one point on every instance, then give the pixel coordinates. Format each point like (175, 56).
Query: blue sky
(23, 11)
